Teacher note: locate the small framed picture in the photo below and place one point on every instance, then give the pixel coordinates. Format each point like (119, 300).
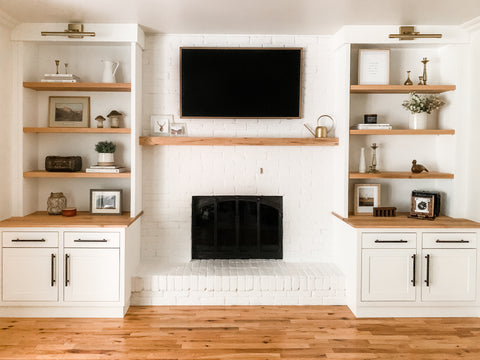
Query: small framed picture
(105, 202)
(160, 125)
(178, 129)
(367, 196)
(373, 67)
(69, 111)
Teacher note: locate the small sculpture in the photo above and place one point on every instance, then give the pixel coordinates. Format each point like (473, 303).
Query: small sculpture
(408, 81)
(100, 119)
(373, 167)
(420, 80)
(66, 68)
(418, 168)
(57, 62)
(115, 117)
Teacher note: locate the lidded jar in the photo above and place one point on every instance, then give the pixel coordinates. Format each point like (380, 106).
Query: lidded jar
(56, 203)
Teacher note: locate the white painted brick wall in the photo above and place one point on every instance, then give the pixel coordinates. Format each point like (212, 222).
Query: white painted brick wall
(173, 174)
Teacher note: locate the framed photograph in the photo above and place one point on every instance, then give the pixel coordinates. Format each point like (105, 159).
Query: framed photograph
(178, 129)
(160, 125)
(105, 202)
(367, 196)
(373, 67)
(69, 111)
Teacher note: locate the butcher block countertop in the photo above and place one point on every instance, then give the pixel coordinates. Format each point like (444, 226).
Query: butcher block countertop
(403, 221)
(82, 219)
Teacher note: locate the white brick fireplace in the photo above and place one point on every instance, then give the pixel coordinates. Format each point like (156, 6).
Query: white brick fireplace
(173, 174)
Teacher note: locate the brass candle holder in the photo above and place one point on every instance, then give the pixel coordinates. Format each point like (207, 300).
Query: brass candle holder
(373, 168)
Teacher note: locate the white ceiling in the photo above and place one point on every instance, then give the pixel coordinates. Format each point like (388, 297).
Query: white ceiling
(245, 16)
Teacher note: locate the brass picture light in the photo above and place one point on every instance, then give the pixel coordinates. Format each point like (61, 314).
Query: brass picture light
(74, 31)
(409, 33)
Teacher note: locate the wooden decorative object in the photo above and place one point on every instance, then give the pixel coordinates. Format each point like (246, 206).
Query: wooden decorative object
(384, 211)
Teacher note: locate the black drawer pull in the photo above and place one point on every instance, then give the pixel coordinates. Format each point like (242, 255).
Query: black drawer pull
(414, 257)
(391, 241)
(67, 269)
(91, 241)
(427, 280)
(29, 240)
(452, 241)
(53, 262)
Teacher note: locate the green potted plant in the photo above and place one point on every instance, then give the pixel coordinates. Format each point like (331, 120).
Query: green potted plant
(420, 106)
(106, 150)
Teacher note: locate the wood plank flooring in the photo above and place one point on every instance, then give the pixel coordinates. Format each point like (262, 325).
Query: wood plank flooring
(240, 332)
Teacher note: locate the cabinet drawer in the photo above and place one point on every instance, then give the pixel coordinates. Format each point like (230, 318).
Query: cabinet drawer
(449, 240)
(92, 239)
(389, 240)
(30, 239)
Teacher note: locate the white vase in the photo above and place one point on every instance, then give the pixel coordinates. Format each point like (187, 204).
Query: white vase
(418, 121)
(362, 167)
(106, 159)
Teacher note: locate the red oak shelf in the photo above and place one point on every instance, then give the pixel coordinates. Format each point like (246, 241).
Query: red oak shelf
(65, 130)
(402, 132)
(236, 141)
(401, 175)
(400, 89)
(105, 87)
(79, 174)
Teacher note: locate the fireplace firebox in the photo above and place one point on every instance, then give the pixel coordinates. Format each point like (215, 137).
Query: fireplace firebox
(237, 227)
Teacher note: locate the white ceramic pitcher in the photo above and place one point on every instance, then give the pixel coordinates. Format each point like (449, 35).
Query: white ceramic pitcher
(109, 70)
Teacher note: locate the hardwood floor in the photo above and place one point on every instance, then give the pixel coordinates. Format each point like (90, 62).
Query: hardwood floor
(240, 332)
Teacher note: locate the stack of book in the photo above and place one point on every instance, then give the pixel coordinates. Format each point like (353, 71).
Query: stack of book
(60, 78)
(371, 127)
(112, 169)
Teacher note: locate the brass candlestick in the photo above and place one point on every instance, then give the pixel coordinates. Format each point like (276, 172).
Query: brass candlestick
(373, 167)
(57, 62)
(408, 81)
(66, 68)
(420, 80)
(425, 61)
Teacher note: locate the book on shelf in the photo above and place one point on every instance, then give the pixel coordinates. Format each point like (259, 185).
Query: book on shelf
(59, 81)
(116, 170)
(371, 127)
(105, 166)
(60, 78)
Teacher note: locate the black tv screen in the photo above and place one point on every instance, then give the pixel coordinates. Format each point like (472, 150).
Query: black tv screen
(240, 83)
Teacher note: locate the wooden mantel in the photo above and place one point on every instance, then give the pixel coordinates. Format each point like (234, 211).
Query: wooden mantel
(236, 141)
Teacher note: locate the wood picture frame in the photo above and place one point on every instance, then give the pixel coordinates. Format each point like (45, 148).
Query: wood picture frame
(69, 111)
(366, 197)
(106, 201)
(373, 67)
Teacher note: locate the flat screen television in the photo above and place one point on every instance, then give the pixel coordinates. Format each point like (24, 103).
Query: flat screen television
(240, 82)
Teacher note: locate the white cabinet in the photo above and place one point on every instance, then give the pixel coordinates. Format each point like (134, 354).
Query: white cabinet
(30, 274)
(30, 266)
(388, 267)
(92, 266)
(450, 265)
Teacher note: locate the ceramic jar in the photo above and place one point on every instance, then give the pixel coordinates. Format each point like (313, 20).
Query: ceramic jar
(56, 203)
(106, 159)
(418, 121)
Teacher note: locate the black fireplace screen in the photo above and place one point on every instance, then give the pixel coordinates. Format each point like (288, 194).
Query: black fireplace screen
(237, 227)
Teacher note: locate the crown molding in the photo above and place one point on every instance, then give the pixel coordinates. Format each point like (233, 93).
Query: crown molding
(7, 20)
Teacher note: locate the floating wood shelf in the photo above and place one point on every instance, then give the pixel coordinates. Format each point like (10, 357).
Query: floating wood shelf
(49, 86)
(79, 174)
(400, 89)
(402, 132)
(64, 130)
(401, 175)
(236, 141)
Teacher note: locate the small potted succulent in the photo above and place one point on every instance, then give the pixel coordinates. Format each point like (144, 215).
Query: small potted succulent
(106, 150)
(420, 106)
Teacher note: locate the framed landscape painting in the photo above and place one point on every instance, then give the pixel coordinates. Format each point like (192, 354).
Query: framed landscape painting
(69, 111)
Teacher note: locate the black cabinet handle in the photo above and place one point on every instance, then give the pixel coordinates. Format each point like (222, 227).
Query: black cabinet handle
(53, 261)
(414, 257)
(91, 241)
(29, 240)
(438, 241)
(67, 269)
(391, 241)
(427, 280)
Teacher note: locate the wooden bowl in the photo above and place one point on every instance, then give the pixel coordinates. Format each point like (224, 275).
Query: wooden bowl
(69, 211)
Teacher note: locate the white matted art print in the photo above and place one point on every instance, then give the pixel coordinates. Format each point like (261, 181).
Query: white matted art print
(105, 202)
(373, 67)
(367, 196)
(160, 125)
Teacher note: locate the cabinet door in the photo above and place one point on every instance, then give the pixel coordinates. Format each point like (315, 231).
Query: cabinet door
(387, 275)
(451, 275)
(30, 274)
(92, 275)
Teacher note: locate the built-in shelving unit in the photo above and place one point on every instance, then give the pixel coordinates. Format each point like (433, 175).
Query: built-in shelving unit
(236, 141)
(403, 132)
(401, 175)
(79, 174)
(64, 130)
(400, 89)
(79, 86)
